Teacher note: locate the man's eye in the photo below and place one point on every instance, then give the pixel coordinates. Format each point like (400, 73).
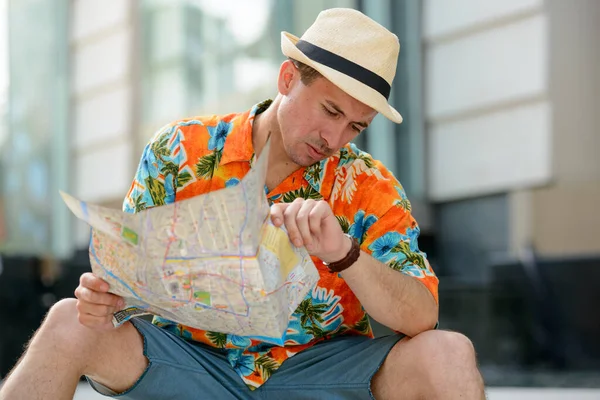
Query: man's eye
(328, 111)
(356, 128)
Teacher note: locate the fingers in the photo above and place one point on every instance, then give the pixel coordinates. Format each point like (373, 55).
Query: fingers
(95, 305)
(91, 281)
(310, 219)
(289, 218)
(95, 316)
(303, 222)
(97, 323)
(95, 290)
(302, 219)
(317, 217)
(277, 213)
(95, 310)
(94, 297)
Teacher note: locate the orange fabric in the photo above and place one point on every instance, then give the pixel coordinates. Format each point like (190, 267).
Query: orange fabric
(195, 156)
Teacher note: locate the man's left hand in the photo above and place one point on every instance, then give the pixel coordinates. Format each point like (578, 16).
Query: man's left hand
(312, 224)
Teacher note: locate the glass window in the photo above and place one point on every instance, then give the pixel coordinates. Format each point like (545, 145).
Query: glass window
(34, 152)
(3, 68)
(203, 56)
(3, 99)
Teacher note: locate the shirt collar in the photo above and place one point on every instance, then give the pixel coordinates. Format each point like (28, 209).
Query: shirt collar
(238, 144)
(318, 177)
(238, 147)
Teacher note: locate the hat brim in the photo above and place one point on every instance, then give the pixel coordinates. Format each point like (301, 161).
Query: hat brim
(361, 92)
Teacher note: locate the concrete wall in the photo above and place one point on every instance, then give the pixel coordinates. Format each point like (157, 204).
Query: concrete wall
(486, 100)
(512, 106)
(566, 216)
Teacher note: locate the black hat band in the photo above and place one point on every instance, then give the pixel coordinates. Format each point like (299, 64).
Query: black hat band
(345, 66)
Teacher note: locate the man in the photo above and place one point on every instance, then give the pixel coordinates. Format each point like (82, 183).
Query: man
(346, 209)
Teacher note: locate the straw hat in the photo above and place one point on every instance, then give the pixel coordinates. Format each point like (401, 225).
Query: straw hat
(353, 52)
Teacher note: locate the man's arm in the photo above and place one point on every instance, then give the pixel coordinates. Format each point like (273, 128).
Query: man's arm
(392, 279)
(394, 299)
(155, 181)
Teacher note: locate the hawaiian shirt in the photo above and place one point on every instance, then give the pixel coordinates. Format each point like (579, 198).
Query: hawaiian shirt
(194, 156)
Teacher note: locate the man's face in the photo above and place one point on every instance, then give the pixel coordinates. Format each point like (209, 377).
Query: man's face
(318, 119)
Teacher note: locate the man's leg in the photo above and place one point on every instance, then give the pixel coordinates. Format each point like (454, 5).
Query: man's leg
(63, 350)
(432, 365)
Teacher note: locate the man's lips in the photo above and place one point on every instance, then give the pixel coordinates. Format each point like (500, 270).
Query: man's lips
(316, 152)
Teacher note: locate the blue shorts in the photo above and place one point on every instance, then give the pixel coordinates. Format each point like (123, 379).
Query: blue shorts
(340, 368)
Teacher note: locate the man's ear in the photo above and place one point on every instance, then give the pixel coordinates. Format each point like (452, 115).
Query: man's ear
(288, 76)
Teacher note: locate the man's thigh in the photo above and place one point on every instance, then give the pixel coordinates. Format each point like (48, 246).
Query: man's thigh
(177, 369)
(340, 368)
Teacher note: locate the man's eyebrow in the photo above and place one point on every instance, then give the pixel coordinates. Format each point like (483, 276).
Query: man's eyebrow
(339, 111)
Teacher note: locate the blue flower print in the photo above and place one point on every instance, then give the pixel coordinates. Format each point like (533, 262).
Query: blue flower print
(382, 247)
(186, 334)
(361, 224)
(169, 189)
(232, 182)
(243, 365)
(413, 270)
(401, 192)
(239, 341)
(218, 134)
(150, 164)
(412, 235)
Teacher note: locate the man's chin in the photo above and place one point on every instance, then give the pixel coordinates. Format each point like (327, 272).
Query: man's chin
(305, 161)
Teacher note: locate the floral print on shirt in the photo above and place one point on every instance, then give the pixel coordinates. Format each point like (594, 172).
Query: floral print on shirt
(194, 156)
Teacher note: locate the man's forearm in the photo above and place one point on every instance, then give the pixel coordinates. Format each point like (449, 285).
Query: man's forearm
(394, 299)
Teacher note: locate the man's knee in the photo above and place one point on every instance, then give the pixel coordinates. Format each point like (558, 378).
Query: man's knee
(62, 328)
(452, 346)
(62, 316)
(62, 311)
(432, 350)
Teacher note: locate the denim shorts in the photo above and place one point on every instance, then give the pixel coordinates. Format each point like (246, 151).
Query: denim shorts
(340, 368)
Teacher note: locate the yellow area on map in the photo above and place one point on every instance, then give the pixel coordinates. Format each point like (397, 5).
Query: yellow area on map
(276, 240)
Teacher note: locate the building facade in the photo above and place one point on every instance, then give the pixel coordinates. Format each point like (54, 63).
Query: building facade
(500, 100)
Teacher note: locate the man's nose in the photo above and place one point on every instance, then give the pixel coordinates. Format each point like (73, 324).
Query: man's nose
(332, 134)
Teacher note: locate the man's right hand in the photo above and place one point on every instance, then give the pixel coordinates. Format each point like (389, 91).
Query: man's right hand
(94, 304)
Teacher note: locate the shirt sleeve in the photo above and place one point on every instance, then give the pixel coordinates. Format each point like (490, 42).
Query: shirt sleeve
(155, 181)
(388, 231)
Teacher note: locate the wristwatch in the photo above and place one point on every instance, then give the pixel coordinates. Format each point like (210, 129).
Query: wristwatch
(346, 262)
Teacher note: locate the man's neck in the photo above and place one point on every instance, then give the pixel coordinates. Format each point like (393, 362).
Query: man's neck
(266, 125)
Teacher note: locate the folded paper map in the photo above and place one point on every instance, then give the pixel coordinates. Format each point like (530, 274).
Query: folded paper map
(212, 262)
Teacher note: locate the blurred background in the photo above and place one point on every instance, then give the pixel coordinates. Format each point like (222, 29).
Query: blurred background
(498, 151)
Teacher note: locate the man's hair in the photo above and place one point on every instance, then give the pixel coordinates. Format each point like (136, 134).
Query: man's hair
(307, 74)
